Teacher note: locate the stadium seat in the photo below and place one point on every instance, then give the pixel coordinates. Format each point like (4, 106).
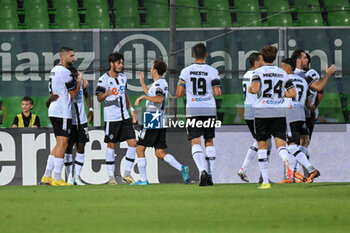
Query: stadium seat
(66, 9)
(67, 23)
(8, 9)
(248, 19)
(310, 19)
(187, 14)
(339, 18)
(307, 5)
(247, 5)
(37, 22)
(97, 16)
(275, 6)
(157, 14)
(8, 23)
(330, 4)
(218, 14)
(278, 13)
(127, 15)
(284, 20)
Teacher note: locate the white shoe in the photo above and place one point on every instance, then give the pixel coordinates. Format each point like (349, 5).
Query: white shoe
(70, 181)
(243, 175)
(112, 181)
(77, 181)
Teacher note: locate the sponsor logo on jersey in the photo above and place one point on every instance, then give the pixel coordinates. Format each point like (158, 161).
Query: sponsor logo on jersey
(200, 99)
(272, 101)
(116, 91)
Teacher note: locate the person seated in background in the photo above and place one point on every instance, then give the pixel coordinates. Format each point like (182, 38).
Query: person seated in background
(26, 118)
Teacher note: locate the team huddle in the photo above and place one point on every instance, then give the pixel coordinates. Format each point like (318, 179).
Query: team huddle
(282, 102)
(279, 102)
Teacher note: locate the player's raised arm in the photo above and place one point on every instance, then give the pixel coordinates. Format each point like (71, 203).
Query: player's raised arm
(319, 85)
(142, 82)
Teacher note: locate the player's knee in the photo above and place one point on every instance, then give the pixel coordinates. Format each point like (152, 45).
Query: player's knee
(140, 151)
(132, 143)
(81, 148)
(160, 153)
(209, 142)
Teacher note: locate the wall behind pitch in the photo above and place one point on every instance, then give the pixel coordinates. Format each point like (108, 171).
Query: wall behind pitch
(24, 152)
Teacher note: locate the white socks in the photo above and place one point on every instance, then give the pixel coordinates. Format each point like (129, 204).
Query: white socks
(110, 161)
(78, 164)
(198, 157)
(251, 154)
(211, 155)
(129, 160)
(68, 163)
(288, 162)
(58, 163)
(264, 165)
(172, 162)
(141, 164)
(49, 166)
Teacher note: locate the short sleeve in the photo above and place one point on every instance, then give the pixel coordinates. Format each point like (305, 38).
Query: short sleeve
(256, 78)
(182, 79)
(289, 84)
(100, 86)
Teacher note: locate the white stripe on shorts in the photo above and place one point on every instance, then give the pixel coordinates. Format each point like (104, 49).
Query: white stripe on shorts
(64, 124)
(143, 133)
(107, 128)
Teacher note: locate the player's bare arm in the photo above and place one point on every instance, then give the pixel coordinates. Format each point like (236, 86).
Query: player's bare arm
(53, 97)
(254, 87)
(132, 110)
(89, 104)
(290, 93)
(180, 91)
(74, 93)
(319, 85)
(217, 91)
(142, 82)
(319, 98)
(101, 97)
(155, 99)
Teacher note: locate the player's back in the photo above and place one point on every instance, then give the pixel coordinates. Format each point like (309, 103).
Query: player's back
(78, 107)
(249, 98)
(60, 83)
(200, 80)
(159, 87)
(295, 108)
(273, 82)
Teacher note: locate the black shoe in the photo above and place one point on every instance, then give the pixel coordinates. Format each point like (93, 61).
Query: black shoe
(204, 178)
(210, 180)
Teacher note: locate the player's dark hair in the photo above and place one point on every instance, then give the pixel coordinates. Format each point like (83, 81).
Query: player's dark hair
(253, 57)
(65, 50)
(113, 57)
(74, 72)
(160, 66)
(200, 51)
(291, 62)
(308, 59)
(269, 53)
(297, 54)
(28, 98)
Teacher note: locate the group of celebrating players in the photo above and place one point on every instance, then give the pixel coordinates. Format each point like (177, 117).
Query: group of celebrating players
(282, 102)
(278, 102)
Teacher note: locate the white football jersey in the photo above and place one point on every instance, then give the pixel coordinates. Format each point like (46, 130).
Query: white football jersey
(78, 108)
(199, 80)
(159, 87)
(295, 109)
(115, 108)
(273, 83)
(60, 83)
(312, 75)
(249, 98)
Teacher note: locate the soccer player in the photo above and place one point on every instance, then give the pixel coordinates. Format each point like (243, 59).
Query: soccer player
(61, 83)
(272, 85)
(296, 120)
(26, 118)
(256, 61)
(200, 83)
(156, 99)
(111, 89)
(79, 134)
(302, 64)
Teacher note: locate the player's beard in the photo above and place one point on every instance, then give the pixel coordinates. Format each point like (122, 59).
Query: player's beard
(69, 64)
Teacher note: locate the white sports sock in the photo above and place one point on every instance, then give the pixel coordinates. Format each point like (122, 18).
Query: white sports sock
(49, 166)
(78, 165)
(198, 157)
(141, 164)
(304, 150)
(263, 165)
(251, 154)
(298, 167)
(172, 162)
(110, 161)
(300, 157)
(58, 168)
(129, 160)
(288, 162)
(211, 155)
(68, 163)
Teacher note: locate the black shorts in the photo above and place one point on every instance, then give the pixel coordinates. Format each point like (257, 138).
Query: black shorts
(153, 138)
(196, 132)
(250, 124)
(119, 131)
(309, 127)
(80, 134)
(265, 127)
(61, 126)
(295, 129)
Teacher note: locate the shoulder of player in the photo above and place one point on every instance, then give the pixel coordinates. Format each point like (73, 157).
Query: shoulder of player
(60, 69)
(312, 73)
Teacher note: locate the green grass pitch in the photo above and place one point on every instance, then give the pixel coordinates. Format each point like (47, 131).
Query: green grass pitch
(318, 207)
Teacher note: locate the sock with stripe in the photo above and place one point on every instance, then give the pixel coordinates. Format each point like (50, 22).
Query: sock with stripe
(129, 160)
(198, 157)
(172, 162)
(210, 157)
(78, 164)
(251, 154)
(110, 162)
(68, 163)
(263, 165)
